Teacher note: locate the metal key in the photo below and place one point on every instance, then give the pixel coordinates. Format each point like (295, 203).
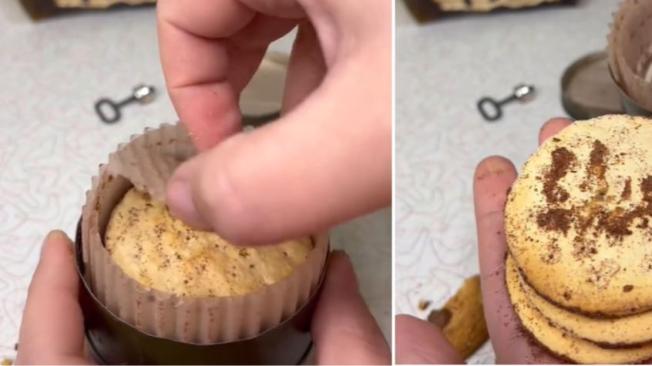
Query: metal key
(109, 110)
(492, 109)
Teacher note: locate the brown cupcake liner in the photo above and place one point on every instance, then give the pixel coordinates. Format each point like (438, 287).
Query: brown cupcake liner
(630, 51)
(146, 162)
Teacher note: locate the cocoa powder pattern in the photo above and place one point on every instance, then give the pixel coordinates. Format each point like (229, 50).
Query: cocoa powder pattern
(562, 159)
(593, 214)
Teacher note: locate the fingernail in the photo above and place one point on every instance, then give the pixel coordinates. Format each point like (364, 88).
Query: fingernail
(181, 204)
(55, 235)
(492, 166)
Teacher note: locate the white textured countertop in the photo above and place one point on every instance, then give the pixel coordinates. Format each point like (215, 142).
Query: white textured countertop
(442, 69)
(51, 141)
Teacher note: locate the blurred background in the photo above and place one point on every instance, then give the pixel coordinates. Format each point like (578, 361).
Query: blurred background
(52, 71)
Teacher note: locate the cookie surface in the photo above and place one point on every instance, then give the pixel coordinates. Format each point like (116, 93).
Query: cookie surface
(633, 329)
(578, 217)
(163, 253)
(559, 342)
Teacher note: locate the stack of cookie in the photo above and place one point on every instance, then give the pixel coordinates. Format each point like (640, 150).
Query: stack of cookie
(579, 234)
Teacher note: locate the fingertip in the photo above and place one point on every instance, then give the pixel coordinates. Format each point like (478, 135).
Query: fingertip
(341, 272)
(340, 258)
(494, 177)
(552, 127)
(494, 166)
(56, 242)
(202, 195)
(56, 264)
(181, 204)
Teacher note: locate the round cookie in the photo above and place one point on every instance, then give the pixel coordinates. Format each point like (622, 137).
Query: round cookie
(163, 253)
(558, 342)
(577, 219)
(629, 330)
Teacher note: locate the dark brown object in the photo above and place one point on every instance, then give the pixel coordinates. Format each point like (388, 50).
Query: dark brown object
(112, 341)
(462, 318)
(588, 90)
(556, 219)
(561, 162)
(39, 9)
(428, 10)
(423, 304)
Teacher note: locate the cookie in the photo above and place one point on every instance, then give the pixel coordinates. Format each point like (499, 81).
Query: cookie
(462, 318)
(163, 253)
(578, 217)
(629, 330)
(559, 342)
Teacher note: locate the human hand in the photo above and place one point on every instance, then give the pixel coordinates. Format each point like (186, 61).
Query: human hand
(52, 331)
(493, 177)
(420, 341)
(326, 160)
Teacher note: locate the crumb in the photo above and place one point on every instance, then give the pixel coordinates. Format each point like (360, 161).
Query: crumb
(423, 304)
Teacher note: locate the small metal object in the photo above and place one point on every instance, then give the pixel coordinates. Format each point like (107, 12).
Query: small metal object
(109, 110)
(492, 109)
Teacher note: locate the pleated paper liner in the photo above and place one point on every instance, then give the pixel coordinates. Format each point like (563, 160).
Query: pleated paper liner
(146, 162)
(630, 53)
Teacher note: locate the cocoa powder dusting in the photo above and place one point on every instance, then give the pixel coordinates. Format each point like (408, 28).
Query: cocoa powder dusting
(584, 248)
(646, 263)
(598, 159)
(552, 254)
(627, 191)
(628, 288)
(562, 159)
(646, 189)
(556, 219)
(615, 223)
(601, 274)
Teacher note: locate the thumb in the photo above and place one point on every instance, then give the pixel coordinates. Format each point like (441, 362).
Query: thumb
(326, 161)
(343, 329)
(52, 328)
(419, 342)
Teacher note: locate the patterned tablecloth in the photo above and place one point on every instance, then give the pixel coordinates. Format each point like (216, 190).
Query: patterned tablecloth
(51, 141)
(442, 69)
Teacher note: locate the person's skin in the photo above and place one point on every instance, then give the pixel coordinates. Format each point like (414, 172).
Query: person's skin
(326, 160)
(52, 331)
(418, 341)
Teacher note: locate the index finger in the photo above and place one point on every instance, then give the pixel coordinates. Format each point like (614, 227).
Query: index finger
(195, 64)
(493, 177)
